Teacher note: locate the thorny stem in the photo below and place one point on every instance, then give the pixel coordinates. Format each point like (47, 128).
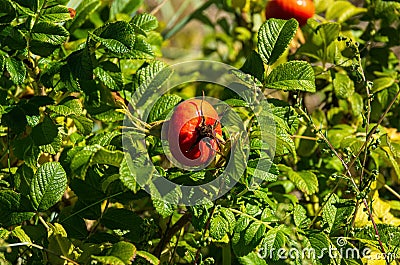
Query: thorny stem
(348, 166)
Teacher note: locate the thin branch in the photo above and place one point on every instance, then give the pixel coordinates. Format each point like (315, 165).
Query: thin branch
(185, 218)
(158, 7)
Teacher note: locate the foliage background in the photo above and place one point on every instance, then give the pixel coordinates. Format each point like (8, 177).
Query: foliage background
(67, 196)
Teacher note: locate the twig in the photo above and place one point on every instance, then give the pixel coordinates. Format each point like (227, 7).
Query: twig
(185, 218)
(158, 7)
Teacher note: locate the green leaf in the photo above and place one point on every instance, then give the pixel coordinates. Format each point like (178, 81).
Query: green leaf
(118, 37)
(219, 226)
(124, 219)
(229, 217)
(146, 22)
(83, 12)
(149, 257)
(320, 243)
(15, 119)
(274, 240)
(14, 38)
(110, 74)
(59, 244)
(126, 176)
(105, 156)
(14, 208)
(300, 216)
(292, 76)
(83, 124)
(124, 251)
(336, 212)
(305, 181)
(120, 253)
(343, 86)
(16, 69)
(163, 106)
(163, 208)
(55, 14)
(46, 37)
(45, 132)
(124, 6)
(254, 66)
(48, 185)
(254, 233)
(68, 107)
(108, 260)
(262, 168)
(7, 13)
(382, 83)
(274, 37)
(141, 50)
(342, 11)
(252, 259)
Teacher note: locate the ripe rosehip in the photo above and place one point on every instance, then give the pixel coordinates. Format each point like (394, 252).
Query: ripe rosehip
(192, 132)
(301, 10)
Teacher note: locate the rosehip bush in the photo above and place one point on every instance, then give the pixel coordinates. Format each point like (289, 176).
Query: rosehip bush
(327, 171)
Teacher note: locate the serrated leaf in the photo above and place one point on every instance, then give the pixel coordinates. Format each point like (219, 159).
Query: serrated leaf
(118, 37)
(274, 240)
(252, 259)
(108, 260)
(382, 83)
(343, 86)
(141, 50)
(67, 108)
(219, 226)
(254, 66)
(14, 208)
(110, 75)
(15, 119)
(163, 106)
(292, 76)
(342, 11)
(83, 124)
(261, 168)
(320, 243)
(16, 69)
(230, 218)
(55, 14)
(83, 12)
(124, 6)
(14, 38)
(48, 185)
(149, 257)
(124, 219)
(254, 233)
(163, 208)
(105, 156)
(59, 244)
(300, 216)
(305, 181)
(46, 37)
(7, 13)
(45, 132)
(146, 22)
(274, 37)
